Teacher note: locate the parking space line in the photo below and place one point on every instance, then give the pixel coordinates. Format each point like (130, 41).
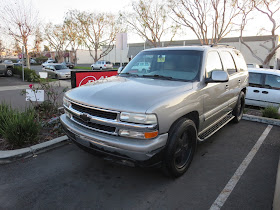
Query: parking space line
(221, 199)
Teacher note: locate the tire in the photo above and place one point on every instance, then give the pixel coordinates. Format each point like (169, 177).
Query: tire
(92, 68)
(239, 108)
(56, 77)
(101, 68)
(180, 148)
(9, 72)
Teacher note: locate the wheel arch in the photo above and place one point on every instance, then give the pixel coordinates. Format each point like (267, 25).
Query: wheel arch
(194, 116)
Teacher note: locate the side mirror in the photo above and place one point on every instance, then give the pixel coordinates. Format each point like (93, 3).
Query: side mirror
(217, 76)
(120, 69)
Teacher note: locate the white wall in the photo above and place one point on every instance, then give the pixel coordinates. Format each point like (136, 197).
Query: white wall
(83, 57)
(258, 49)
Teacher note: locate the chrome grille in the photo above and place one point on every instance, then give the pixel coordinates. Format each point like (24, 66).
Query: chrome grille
(95, 112)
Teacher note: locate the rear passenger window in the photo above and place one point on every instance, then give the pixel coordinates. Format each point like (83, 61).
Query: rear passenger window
(255, 80)
(213, 63)
(272, 81)
(240, 61)
(228, 62)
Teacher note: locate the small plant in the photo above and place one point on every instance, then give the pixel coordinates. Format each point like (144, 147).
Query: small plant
(271, 112)
(18, 128)
(29, 74)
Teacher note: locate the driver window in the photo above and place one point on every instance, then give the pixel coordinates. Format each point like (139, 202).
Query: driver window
(213, 63)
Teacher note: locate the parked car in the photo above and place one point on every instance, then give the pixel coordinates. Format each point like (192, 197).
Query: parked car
(142, 66)
(6, 69)
(68, 64)
(8, 61)
(33, 61)
(264, 88)
(57, 71)
(157, 117)
(252, 65)
(48, 62)
(102, 65)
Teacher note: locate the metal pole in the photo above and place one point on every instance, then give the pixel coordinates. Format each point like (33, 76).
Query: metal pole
(22, 62)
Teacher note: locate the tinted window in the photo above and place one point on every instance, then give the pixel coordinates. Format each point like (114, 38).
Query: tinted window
(59, 67)
(228, 62)
(272, 81)
(240, 61)
(174, 64)
(213, 63)
(255, 79)
(108, 62)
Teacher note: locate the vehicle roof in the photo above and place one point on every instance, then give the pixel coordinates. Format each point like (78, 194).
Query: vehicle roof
(195, 47)
(263, 71)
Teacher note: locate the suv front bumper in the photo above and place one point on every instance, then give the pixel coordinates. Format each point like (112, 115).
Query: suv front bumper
(135, 150)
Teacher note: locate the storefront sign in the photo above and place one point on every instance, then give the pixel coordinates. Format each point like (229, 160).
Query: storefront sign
(79, 78)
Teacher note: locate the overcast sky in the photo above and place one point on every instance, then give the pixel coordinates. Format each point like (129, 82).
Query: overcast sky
(54, 11)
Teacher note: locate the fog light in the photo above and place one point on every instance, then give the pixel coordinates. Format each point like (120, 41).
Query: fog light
(137, 134)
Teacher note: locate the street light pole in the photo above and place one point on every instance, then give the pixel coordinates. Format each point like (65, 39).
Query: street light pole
(22, 62)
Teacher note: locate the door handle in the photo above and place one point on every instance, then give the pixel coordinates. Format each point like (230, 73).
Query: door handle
(256, 91)
(226, 87)
(265, 92)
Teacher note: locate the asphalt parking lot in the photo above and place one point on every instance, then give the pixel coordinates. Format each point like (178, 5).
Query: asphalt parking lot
(69, 178)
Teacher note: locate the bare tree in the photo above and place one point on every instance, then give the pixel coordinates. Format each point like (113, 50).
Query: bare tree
(72, 31)
(2, 47)
(38, 41)
(56, 37)
(98, 31)
(150, 21)
(209, 20)
(20, 20)
(270, 9)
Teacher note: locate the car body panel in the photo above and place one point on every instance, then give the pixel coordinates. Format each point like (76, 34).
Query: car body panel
(260, 92)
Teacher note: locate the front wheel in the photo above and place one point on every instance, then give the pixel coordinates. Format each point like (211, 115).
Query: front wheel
(239, 108)
(9, 72)
(181, 147)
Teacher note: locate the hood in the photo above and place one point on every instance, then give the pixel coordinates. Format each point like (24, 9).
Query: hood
(127, 93)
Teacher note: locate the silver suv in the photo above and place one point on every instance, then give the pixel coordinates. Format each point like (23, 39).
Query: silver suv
(102, 65)
(156, 117)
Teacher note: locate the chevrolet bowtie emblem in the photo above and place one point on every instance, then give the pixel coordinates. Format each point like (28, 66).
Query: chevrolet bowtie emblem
(85, 117)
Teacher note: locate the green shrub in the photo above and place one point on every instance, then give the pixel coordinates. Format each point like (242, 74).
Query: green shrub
(41, 59)
(5, 113)
(19, 128)
(271, 112)
(29, 74)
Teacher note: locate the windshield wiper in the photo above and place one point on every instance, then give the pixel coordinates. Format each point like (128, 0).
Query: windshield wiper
(129, 74)
(158, 76)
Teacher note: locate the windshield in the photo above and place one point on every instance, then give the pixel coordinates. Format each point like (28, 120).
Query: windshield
(166, 64)
(60, 67)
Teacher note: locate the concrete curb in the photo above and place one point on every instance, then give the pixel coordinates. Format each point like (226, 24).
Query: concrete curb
(276, 201)
(12, 155)
(265, 120)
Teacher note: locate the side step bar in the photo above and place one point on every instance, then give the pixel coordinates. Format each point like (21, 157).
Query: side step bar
(205, 134)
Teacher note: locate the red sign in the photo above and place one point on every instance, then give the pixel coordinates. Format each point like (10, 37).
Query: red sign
(84, 77)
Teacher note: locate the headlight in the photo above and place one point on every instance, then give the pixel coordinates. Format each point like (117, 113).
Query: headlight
(138, 118)
(66, 102)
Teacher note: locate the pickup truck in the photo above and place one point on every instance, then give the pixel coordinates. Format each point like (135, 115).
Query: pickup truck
(157, 117)
(6, 69)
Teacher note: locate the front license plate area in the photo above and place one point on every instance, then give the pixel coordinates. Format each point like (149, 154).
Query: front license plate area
(82, 141)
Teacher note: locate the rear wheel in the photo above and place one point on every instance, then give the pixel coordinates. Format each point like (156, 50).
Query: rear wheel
(180, 148)
(239, 108)
(9, 72)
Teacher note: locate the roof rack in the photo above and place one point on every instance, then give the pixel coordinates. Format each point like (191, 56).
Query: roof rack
(222, 45)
